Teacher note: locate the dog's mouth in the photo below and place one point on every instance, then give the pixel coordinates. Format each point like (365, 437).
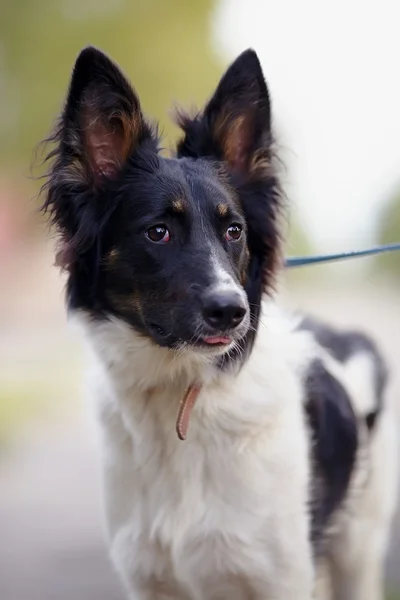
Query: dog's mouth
(221, 340)
(205, 342)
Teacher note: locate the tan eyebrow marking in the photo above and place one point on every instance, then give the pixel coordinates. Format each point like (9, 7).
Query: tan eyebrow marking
(222, 209)
(178, 205)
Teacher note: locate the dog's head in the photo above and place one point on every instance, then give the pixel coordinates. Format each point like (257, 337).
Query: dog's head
(179, 248)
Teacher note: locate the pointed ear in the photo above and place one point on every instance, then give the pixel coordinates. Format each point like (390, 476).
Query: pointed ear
(100, 128)
(235, 125)
(102, 122)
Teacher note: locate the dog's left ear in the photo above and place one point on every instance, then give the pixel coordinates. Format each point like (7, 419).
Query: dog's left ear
(235, 125)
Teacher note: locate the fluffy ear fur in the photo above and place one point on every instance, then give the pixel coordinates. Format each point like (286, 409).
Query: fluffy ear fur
(102, 121)
(100, 129)
(235, 125)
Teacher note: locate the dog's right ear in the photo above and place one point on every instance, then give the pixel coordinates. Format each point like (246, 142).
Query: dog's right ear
(100, 128)
(235, 125)
(102, 121)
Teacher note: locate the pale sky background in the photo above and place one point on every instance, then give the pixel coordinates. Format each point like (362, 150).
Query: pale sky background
(333, 69)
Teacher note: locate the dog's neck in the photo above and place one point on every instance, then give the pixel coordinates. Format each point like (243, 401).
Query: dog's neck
(139, 369)
(148, 383)
(138, 364)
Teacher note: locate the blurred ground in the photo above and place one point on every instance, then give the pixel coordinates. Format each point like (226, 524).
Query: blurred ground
(50, 501)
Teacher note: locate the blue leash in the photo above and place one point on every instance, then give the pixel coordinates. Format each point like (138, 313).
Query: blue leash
(301, 261)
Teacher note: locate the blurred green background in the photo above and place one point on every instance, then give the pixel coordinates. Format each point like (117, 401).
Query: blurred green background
(168, 51)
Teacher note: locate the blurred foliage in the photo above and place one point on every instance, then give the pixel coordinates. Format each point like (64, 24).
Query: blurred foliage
(18, 405)
(45, 387)
(297, 244)
(389, 232)
(297, 240)
(163, 46)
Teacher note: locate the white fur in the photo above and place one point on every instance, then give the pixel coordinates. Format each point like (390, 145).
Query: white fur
(223, 281)
(224, 514)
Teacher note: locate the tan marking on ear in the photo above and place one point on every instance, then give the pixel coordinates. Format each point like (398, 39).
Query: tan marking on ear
(222, 209)
(232, 134)
(106, 147)
(260, 164)
(131, 126)
(178, 205)
(108, 139)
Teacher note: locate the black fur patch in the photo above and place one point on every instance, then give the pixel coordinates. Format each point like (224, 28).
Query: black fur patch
(342, 345)
(334, 433)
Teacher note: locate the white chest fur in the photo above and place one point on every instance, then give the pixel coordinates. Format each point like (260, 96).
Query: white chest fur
(223, 514)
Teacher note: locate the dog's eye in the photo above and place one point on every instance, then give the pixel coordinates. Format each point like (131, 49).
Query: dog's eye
(233, 233)
(159, 234)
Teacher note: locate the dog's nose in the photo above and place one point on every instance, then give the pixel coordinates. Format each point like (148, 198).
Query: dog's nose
(223, 310)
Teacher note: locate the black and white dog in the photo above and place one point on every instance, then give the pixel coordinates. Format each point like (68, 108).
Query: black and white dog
(288, 469)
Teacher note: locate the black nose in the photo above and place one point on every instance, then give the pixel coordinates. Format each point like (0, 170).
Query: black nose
(223, 310)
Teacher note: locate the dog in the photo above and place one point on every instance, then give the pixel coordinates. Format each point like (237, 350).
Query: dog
(247, 453)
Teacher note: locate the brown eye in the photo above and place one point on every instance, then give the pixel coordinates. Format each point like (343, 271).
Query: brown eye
(159, 234)
(233, 233)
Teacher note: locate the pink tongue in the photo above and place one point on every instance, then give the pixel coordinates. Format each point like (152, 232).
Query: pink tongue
(218, 339)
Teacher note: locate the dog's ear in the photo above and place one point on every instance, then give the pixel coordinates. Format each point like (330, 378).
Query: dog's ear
(235, 124)
(102, 121)
(100, 128)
